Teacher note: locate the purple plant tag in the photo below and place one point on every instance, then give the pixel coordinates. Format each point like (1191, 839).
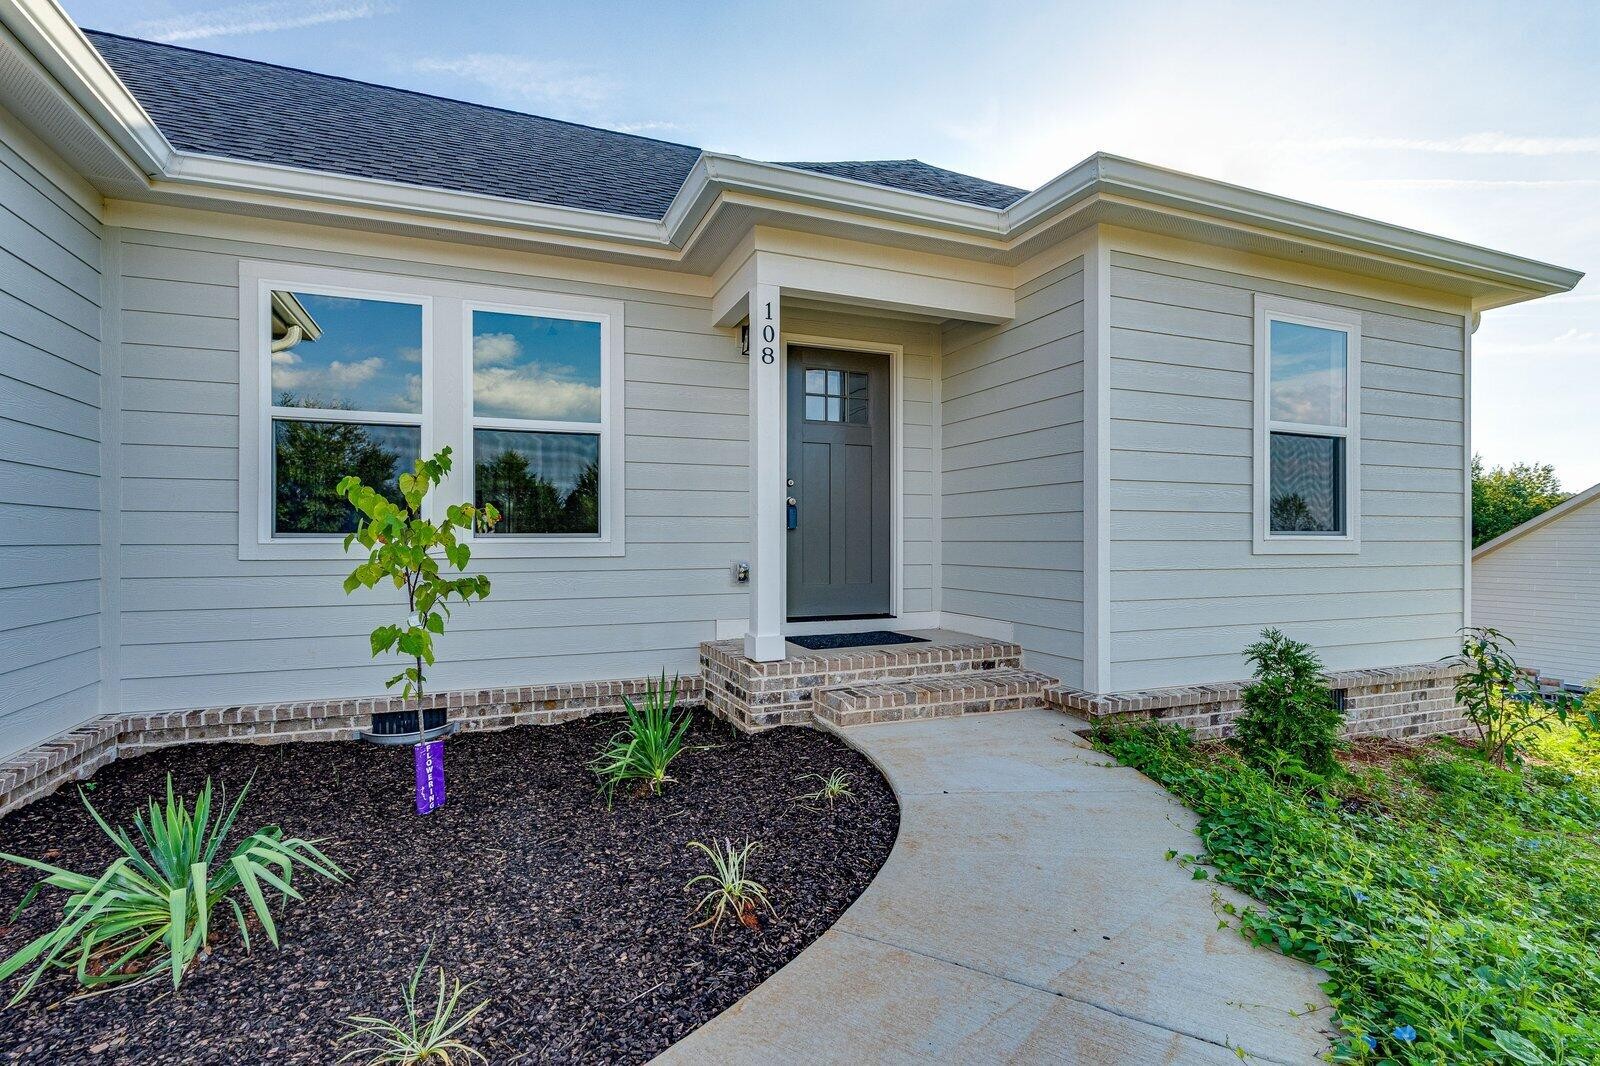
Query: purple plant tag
(430, 775)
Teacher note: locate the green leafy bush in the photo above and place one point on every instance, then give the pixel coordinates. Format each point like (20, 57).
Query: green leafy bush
(1454, 906)
(406, 549)
(1288, 709)
(732, 893)
(1504, 704)
(431, 1038)
(156, 899)
(646, 746)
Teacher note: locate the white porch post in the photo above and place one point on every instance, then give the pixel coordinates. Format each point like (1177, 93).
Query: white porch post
(763, 641)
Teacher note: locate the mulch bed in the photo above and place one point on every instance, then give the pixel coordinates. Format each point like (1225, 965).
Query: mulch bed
(571, 919)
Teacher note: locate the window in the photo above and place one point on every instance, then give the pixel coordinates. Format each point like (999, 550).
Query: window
(346, 382)
(344, 372)
(1307, 451)
(836, 396)
(538, 422)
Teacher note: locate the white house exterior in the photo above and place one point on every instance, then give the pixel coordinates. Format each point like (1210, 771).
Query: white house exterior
(1074, 453)
(1539, 584)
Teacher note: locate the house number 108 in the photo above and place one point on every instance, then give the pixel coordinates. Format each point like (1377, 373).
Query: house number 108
(768, 336)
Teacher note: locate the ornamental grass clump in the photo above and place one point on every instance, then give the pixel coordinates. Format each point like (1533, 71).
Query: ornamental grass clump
(643, 750)
(830, 790)
(1288, 708)
(732, 894)
(419, 1039)
(149, 912)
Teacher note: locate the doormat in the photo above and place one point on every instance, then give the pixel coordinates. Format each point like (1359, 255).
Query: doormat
(831, 641)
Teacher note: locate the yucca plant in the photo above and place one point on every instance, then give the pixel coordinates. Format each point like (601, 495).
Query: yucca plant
(832, 789)
(419, 1039)
(731, 891)
(157, 897)
(645, 747)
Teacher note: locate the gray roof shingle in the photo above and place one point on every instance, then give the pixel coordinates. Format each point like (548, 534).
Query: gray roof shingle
(914, 175)
(244, 109)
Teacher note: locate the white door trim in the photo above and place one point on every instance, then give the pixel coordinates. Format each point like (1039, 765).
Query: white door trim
(896, 354)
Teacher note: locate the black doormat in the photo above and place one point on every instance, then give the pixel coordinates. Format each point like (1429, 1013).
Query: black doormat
(830, 641)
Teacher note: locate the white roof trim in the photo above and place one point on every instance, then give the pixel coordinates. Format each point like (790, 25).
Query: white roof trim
(1556, 512)
(47, 31)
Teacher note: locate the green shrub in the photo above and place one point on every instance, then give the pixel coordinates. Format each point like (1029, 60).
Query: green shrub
(644, 749)
(1504, 704)
(1454, 906)
(157, 897)
(419, 1039)
(732, 893)
(1288, 709)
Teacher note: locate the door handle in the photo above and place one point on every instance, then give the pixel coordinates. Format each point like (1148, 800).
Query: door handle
(793, 510)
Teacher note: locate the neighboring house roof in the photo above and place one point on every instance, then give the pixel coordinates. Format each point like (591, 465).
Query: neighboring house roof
(264, 113)
(1552, 515)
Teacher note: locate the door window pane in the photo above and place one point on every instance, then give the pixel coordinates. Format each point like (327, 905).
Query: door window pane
(1307, 486)
(539, 482)
(534, 368)
(856, 398)
(310, 458)
(1309, 373)
(341, 353)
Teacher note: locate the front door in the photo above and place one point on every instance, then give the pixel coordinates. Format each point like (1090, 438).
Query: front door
(838, 484)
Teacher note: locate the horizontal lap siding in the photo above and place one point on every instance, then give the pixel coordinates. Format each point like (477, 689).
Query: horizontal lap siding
(1012, 451)
(201, 627)
(49, 453)
(1187, 592)
(1543, 591)
(919, 420)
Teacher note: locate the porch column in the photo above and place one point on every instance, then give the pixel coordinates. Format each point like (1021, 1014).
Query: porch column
(763, 641)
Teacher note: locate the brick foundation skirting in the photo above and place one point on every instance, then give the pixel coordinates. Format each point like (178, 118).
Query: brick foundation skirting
(79, 752)
(1396, 701)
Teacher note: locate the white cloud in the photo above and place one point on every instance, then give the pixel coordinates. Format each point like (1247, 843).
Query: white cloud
(523, 79)
(242, 19)
(495, 349)
(508, 392)
(1469, 144)
(289, 373)
(645, 127)
(1484, 183)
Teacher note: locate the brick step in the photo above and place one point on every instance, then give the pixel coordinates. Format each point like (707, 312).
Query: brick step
(933, 696)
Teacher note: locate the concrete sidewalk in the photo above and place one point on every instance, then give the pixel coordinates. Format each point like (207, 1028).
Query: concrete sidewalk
(1026, 914)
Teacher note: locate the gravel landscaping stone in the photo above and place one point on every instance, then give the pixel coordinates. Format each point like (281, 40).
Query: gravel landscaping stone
(571, 919)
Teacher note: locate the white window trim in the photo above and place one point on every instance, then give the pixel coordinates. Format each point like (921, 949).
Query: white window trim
(446, 417)
(612, 489)
(1269, 309)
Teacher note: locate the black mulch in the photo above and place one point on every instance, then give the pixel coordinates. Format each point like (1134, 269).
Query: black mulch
(571, 919)
(830, 641)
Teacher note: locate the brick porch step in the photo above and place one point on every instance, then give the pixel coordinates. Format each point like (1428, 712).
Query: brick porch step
(939, 696)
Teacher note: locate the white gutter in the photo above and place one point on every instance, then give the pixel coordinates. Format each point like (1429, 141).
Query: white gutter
(46, 30)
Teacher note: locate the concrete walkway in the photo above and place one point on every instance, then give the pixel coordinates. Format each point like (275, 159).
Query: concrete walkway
(1026, 914)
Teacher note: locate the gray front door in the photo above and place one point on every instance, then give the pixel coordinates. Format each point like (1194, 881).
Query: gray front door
(839, 474)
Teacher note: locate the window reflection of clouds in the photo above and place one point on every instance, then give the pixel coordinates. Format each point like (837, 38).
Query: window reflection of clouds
(536, 368)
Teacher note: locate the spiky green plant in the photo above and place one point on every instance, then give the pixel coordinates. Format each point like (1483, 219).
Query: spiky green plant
(645, 747)
(431, 1039)
(157, 897)
(731, 891)
(831, 789)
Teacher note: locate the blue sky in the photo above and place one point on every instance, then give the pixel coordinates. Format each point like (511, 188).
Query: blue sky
(1479, 121)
